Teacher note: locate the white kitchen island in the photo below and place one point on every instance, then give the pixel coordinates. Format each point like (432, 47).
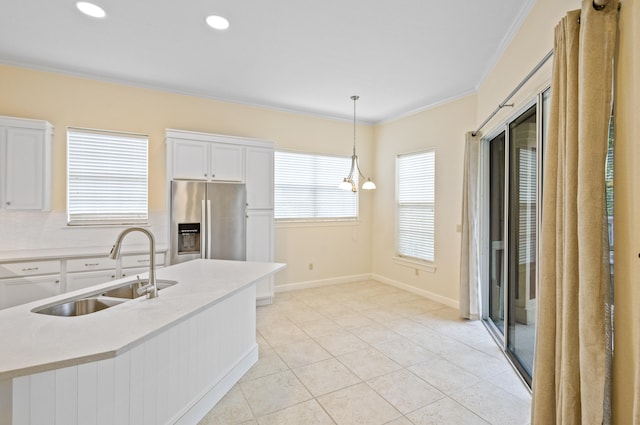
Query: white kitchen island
(166, 360)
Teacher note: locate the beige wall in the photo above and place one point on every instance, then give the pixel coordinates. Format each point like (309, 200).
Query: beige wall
(70, 101)
(441, 128)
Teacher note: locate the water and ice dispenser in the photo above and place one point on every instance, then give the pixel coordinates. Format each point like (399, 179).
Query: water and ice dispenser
(188, 238)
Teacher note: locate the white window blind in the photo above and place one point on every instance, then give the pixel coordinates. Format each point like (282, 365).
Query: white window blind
(306, 187)
(106, 177)
(527, 163)
(416, 205)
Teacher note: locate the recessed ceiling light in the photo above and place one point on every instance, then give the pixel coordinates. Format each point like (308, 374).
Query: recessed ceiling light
(91, 9)
(217, 22)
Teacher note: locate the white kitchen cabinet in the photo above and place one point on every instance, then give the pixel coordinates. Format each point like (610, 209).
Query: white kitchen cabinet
(24, 289)
(197, 160)
(141, 260)
(83, 280)
(199, 156)
(85, 272)
(28, 279)
(91, 264)
(29, 268)
(25, 164)
(260, 248)
(259, 178)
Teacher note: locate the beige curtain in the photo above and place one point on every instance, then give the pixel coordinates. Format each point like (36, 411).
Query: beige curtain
(470, 305)
(572, 359)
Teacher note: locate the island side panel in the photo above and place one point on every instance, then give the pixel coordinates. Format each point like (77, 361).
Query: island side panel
(173, 377)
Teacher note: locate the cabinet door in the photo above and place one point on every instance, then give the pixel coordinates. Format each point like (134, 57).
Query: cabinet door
(22, 290)
(259, 178)
(227, 162)
(24, 183)
(190, 160)
(87, 279)
(260, 248)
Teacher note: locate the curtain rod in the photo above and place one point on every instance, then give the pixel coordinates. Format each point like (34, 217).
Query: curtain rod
(598, 5)
(518, 87)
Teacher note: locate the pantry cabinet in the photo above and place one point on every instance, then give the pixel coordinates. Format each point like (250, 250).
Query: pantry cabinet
(25, 164)
(260, 248)
(259, 178)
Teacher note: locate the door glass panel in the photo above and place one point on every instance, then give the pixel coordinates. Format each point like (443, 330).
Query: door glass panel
(522, 242)
(496, 230)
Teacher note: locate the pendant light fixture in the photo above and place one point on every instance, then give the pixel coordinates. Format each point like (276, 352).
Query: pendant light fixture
(347, 182)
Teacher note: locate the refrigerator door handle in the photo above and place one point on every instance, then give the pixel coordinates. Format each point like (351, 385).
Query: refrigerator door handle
(209, 235)
(204, 229)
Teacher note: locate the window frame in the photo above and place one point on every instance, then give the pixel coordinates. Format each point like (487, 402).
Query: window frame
(432, 205)
(136, 165)
(318, 219)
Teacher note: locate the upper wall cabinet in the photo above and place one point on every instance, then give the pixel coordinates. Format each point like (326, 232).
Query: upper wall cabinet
(209, 161)
(25, 164)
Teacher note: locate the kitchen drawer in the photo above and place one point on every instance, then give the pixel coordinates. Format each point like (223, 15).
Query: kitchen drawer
(29, 268)
(90, 264)
(141, 260)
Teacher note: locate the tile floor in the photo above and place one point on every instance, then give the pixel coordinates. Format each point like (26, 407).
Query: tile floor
(371, 354)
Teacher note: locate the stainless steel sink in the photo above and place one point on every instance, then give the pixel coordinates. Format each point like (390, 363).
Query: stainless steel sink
(79, 307)
(129, 290)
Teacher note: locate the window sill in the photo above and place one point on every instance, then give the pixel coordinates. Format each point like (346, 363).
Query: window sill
(415, 264)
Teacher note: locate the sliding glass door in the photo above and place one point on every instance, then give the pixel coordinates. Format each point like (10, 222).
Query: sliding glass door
(496, 231)
(513, 171)
(522, 237)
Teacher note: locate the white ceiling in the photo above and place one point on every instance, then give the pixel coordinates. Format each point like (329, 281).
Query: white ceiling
(297, 55)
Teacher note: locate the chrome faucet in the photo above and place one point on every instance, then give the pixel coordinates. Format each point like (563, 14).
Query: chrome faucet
(151, 288)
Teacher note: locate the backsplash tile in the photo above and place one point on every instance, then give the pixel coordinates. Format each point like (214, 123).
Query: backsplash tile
(24, 230)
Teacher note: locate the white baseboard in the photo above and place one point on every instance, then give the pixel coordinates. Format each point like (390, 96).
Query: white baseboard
(211, 397)
(322, 282)
(367, 276)
(427, 294)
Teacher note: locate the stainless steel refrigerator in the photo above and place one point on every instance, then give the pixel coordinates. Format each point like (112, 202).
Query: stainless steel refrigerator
(208, 220)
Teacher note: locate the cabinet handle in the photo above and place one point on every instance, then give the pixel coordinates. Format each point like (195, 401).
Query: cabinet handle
(30, 269)
(91, 264)
(205, 174)
(213, 176)
(143, 261)
(8, 203)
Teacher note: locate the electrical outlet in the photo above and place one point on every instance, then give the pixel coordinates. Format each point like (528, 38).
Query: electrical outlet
(310, 266)
(417, 272)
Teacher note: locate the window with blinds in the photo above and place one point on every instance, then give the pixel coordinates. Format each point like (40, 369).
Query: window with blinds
(306, 187)
(416, 205)
(106, 177)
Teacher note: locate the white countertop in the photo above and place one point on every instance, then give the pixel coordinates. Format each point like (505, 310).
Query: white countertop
(33, 342)
(72, 252)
